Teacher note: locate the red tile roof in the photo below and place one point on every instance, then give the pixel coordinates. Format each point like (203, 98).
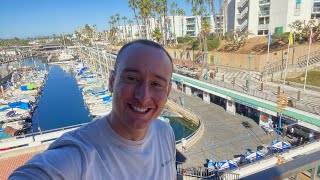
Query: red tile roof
(8, 165)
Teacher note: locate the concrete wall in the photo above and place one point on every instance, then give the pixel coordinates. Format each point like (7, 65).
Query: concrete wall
(237, 60)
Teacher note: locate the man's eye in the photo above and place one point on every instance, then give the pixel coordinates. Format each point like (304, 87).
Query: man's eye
(131, 78)
(155, 84)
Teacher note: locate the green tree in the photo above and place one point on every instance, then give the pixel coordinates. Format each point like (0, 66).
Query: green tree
(124, 18)
(130, 24)
(156, 35)
(133, 5)
(173, 11)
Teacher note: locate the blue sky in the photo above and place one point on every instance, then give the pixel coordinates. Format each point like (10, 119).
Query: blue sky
(30, 18)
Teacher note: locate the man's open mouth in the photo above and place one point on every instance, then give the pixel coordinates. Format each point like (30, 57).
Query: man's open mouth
(139, 109)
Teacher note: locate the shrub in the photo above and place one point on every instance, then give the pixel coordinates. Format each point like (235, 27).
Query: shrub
(213, 44)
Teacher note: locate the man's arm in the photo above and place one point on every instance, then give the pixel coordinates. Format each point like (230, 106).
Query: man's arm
(60, 163)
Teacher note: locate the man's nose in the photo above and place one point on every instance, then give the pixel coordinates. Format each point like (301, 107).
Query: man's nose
(142, 92)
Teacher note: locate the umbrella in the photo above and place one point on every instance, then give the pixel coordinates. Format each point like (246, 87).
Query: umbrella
(226, 165)
(281, 145)
(252, 156)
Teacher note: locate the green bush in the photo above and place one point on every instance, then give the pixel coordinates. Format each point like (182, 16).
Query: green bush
(184, 39)
(284, 37)
(213, 44)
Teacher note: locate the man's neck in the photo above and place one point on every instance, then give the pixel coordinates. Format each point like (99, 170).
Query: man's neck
(124, 132)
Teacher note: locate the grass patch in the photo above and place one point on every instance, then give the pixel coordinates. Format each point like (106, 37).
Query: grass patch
(313, 78)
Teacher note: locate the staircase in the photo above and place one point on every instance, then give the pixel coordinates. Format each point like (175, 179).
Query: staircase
(314, 58)
(302, 63)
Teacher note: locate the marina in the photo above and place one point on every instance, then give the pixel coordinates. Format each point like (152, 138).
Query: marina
(69, 98)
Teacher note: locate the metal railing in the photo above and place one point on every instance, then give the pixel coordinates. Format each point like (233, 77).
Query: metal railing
(241, 3)
(192, 137)
(264, 13)
(262, 2)
(263, 26)
(199, 172)
(313, 58)
(42, 136)
(290, 169)
(316, 9)
(243, 13)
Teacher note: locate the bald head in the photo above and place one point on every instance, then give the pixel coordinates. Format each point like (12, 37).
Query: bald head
(133, 44)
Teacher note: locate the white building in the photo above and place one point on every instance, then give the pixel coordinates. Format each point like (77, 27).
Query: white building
(177, 26)
(260, 16)
(256, 16)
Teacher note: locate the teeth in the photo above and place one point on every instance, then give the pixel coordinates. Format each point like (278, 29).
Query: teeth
(139, 109)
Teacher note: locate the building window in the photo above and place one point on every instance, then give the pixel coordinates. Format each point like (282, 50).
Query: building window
(267, 20)
(260, 32)
(261, 20)
(297, 7)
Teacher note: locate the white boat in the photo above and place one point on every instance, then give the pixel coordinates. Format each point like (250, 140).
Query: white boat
(65, 56)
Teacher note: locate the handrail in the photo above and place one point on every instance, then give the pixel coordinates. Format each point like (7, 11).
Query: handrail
(195, 134)
(24, 140)
(204, 172)
(289, 169)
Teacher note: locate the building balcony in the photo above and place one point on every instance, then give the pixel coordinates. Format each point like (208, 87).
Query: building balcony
(263, 26)
(241, 3)
(191, 29)
(316, 10)
(243, 13)
(264, 13)
(191, 22)
(243, 25)
(264, 2)
(192, 34)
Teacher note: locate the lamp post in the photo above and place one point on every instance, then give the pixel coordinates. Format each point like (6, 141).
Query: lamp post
(182, 95)
(249, 59)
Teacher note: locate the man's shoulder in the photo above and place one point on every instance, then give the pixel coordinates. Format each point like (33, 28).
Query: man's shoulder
(79, 137)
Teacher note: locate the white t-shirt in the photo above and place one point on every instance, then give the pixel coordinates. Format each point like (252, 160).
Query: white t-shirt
(96, 151)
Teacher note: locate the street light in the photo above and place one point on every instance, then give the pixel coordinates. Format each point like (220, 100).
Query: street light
(182, 95)
(249, 58)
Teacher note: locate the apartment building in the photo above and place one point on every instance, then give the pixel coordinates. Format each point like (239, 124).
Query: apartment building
(261, 16)
(257, 16)
(177, 26)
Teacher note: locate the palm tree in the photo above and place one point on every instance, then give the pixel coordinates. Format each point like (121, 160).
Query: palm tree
(117, 16)
(157, 35)
(133, 6)
(145, 7)
(181, 12)
(124, 18)
(225, 17)
(173, 10)
(165, 12)
(130, 24)
(220, 14)
(158, 9)
(213, 10)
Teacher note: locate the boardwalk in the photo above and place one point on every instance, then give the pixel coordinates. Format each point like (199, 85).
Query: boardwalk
(225, 130)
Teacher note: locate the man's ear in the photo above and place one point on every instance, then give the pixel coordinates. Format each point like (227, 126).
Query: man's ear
(111, 81)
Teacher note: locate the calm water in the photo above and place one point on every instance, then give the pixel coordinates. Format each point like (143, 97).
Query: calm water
(61, 103)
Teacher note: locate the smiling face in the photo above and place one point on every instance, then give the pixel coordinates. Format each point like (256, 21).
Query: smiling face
(140, 85)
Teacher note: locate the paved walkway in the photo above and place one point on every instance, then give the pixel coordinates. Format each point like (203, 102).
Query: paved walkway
(225, 130)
